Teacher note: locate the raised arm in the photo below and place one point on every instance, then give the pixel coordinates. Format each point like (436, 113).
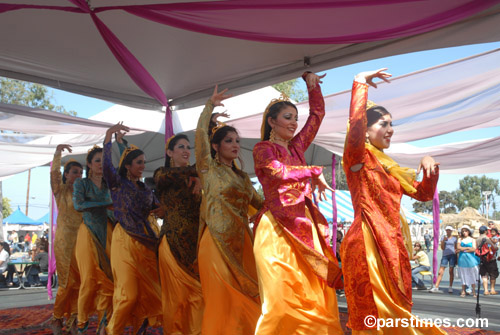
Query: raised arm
(316, 111)
(354, 148)
(55, 169)
(108, 170)
(265, 160)
(202, 137)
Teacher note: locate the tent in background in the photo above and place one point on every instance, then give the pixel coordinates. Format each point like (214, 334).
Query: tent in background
(19, 222)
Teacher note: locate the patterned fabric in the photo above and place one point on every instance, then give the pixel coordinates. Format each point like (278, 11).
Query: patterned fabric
(376, 197)
(224, 210)
(285, 179)
(131, 203)
(182, 209)
(94, 203)
(68, 221)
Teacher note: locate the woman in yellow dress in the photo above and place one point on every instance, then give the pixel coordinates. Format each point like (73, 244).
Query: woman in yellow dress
(93, 245)
(178, 189)
(68, 222)
(227, 265)
(297, 269)
(137, 293)
(375, 250)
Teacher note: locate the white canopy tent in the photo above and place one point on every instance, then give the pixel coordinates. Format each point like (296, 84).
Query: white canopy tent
(456, 96)
(57, 43)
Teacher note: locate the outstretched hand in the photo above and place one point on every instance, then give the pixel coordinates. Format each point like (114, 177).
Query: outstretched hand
(428, 165)
(217, 97)
(313, 79)
(368, 76)
(321, 184)
(118, 128)
(216, 116)
(61, 147)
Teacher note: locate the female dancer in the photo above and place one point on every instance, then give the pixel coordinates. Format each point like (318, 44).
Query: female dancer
(68, 221)
(180, 198)
(296, 267)
(468, 262)
(93, 244)
(225, 257)
(136, 298)
(375, 261)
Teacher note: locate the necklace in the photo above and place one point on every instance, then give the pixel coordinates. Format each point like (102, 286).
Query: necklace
(226, 164)
(276, 139)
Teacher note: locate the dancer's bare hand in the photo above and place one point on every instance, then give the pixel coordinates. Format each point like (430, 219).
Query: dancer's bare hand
(216, 116)
(197, 184)
(428, 165)
(62, 147)
(368, 76)
(313, 79)
(321, 185)
(217, 97)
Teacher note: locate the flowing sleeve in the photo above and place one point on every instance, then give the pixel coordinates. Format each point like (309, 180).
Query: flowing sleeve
(266, 161)
(108, 170)
(55, 174)
(80, 200)
(202, 140)
(354, 148)
(425, 188)
(316, 114)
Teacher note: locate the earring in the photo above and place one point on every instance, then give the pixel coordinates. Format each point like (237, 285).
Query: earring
(172, 164)
(90, 173)
(272, 135)
(129, 177)
(217, 157)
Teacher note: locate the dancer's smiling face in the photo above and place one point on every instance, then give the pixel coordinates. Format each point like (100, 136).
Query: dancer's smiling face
(181, 153)
(285, 123)
(380, 133)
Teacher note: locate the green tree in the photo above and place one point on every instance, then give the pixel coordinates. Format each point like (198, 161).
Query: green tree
(470, 193)
(6, 208)
(422, 207)
(22, 93)
(448, 201)
(292, 89)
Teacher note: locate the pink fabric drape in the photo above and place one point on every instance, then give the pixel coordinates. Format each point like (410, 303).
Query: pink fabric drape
(278, 21)
(334, 207)
(435, 214)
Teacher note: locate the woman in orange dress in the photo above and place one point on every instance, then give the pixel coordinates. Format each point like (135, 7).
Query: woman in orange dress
(297, 269)
(225, 257)
(68, 222)
(180, 197)
(374, 253)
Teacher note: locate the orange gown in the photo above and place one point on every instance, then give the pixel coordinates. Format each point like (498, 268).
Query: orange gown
(296, 267)
(225, 256)
(68, 222)
(375, 261)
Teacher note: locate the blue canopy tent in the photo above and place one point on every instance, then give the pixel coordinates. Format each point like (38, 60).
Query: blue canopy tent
(18, 221)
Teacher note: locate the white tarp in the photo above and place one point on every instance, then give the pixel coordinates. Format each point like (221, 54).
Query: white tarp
(461, 95)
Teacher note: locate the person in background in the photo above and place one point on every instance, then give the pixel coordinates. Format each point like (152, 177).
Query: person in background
(13, 239)
(427, 240)
(34, 238)
(27, 242)
(491, 225)
(5, 266)
(42, 257)
(423, 264)
(488, 267)
(449, 258)
(468, 263)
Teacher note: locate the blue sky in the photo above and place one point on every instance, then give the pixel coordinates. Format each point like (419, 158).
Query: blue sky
(338, 79)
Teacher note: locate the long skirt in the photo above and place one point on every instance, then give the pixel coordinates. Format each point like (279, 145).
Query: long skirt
(66, 304)
(137, 291)
(387, 305)
(182, 299)
(96, 289)
(294, 299)
(228, 311)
